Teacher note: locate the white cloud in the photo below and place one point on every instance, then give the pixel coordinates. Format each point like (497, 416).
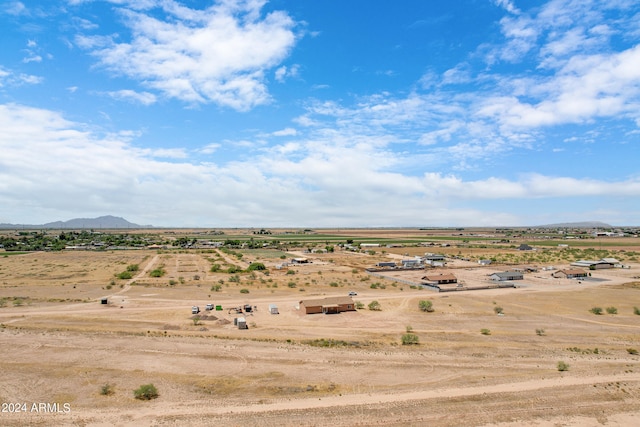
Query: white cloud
(9, 78)
(144, 98)
(210, 148)
(32, 58)
(507, 5)
(323, 181)
(286, 132)
(216, 55)
(585, 88)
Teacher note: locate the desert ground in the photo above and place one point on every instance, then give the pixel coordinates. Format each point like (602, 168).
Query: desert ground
(483, 357)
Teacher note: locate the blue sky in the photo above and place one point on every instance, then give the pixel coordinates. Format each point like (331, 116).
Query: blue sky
(290, 113)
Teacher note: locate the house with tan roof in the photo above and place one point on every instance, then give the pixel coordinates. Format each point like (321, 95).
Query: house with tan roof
(329, 305)
(569, 273)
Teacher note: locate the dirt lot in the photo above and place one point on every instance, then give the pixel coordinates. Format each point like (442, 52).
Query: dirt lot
(61, 346)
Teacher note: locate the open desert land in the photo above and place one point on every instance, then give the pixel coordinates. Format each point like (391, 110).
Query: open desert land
(483, 357)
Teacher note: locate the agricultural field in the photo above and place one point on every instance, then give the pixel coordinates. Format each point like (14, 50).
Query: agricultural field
(82, 330)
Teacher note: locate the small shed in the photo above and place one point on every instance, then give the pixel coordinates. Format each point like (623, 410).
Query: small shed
(104, 301)
(273, 309)
(389, 264)
(242, 323)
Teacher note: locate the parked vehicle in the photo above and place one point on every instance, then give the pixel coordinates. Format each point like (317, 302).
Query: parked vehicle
(195, 309)
(353, 294)
(209, 307)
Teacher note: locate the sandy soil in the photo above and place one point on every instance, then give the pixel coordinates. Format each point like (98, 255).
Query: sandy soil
(60, 346)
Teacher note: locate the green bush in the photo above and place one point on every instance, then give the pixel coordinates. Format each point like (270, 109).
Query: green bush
(146, 392)
(133, 267)
(158, 272)
(636, 310)
(632, 351)
(426, 306)
(215, 268)
(256, 266)
(540, 332)
(375, 306)
(498, 310)
(410, 339)
(562, 366)
(244, 291)
(124, 275)
(612, 310)
(485, 331)
(596, 310)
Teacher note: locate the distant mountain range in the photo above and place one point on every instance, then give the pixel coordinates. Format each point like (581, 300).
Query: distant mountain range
(107, 221)
(585, 224)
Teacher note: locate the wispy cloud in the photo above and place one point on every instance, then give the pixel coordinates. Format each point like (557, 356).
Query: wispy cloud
(14, 8)
(144, 98)
(10, 78)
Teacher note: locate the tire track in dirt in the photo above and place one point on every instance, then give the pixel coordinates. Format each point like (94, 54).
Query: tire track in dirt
(141, 274)
(382, 399)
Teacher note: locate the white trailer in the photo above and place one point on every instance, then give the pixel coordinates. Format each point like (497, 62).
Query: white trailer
(273, 309)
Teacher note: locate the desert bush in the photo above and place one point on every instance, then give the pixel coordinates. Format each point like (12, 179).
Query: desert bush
(612, 310)
(375, 306)
(124, 275)
(596, 310)
(133, 267)
(291, 272)
(215, 268)
(256, 266)
(498, 310)
(244, 291)
(359, 305)
(234, 269)
(333, 284)
(410, 339)
(562, 366)
(426, 306)
(216, 288)
(234, 279)
(636, 310)
(107, 390)
(632, 351)
(540, 332)
(158, 272)
(146, 392)
(292, 284)
(485, 331)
